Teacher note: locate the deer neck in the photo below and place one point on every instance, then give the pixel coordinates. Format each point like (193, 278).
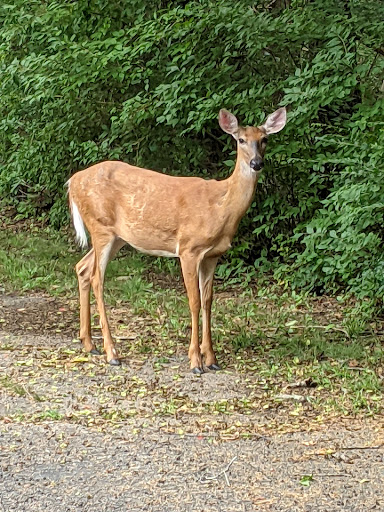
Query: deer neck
(241, 187)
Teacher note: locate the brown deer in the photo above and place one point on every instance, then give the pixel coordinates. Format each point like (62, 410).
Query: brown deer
(185, 217)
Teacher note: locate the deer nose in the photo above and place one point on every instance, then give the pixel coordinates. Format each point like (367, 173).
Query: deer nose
(257, 164)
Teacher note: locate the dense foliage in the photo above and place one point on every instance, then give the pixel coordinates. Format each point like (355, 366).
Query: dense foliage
(87, 80)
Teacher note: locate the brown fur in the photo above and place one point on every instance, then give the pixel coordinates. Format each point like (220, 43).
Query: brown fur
(191, 218)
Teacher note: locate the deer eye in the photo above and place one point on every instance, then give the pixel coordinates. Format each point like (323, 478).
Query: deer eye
(264, 140)
(242, 141)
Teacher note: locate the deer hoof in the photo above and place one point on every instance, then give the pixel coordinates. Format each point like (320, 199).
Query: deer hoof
(214, 367)
(115, 362)
(95, 352)
(197, 371)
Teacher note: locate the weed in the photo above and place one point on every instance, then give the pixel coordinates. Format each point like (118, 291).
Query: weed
(306, 480)
(7, 383)
(49, 414)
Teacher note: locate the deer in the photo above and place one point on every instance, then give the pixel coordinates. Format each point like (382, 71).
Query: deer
(189, 218)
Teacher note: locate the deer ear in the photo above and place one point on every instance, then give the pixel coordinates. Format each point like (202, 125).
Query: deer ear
(228, 122)
(276, 121)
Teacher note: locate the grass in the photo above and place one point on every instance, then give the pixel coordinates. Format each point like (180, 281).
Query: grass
(7, 383)
(18, 389)
(282, 338)
(45, 260)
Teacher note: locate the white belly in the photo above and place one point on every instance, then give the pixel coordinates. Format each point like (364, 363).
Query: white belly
(155, 252)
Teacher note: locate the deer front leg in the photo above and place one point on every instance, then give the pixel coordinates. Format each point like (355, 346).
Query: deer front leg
(189, 266)
(84, 269)
(206, 272)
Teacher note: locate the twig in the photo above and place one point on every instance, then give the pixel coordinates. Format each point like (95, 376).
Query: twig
(321, 475)
(117, 337)
(306, 383)
(349, 448)
(359, 368)
(223, 472)
(330, 475)
(220, 435)
(298, 398)
(215, 138)
(372, 64)
(360, 448)
(1, 495)
(292, 57)
(327, 327)
(27, 392)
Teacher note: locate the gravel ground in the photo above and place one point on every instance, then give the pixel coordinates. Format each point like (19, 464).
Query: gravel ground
(76, 434)
(62, 467)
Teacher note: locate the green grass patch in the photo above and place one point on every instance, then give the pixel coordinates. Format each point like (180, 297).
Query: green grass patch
(15, 388)
(44, 259)
(283, 339)
(36, 260)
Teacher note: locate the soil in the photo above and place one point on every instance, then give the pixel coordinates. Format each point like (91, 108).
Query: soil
(77, 434)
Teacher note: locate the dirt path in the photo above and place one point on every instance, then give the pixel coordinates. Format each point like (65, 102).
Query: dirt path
(76, 434)
(104, 471)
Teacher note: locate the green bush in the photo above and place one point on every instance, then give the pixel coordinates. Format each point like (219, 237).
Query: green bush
(91, 80)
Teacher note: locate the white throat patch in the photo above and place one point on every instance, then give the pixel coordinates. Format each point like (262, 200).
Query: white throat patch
(247, 171)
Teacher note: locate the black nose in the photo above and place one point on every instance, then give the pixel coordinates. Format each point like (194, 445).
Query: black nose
(256, 164)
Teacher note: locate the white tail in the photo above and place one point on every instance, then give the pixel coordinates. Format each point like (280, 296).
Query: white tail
(78, 224)
(190, 218)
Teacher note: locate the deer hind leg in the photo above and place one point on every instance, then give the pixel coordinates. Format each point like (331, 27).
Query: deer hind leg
(206, 272)
(189, 266)
(105, 248)
(84, 269)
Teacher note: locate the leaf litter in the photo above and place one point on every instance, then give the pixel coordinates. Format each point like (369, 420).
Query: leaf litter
(78, 433)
